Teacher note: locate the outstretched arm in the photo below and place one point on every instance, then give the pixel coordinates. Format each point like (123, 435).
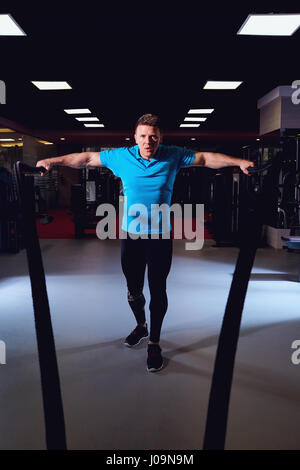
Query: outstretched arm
(219, 160)
(73, 160)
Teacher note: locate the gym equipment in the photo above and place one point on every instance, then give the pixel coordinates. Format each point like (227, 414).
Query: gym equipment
(228, 201)
(97, 186)
(40, 207)
(251, 231)
(285, 210)
(231, 191)
(52, 400)
(224, 208)
(10, 238)
(292, 243)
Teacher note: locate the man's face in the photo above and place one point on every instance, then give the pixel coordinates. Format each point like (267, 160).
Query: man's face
(148, 139)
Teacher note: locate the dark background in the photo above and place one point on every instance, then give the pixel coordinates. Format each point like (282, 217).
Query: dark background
(123, 60)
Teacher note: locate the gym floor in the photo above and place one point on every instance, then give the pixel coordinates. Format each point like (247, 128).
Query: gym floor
(110, 400)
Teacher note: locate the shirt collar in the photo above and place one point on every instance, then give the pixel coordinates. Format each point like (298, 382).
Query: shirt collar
(137, 154)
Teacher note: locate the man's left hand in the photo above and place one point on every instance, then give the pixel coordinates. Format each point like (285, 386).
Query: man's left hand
(244, 165)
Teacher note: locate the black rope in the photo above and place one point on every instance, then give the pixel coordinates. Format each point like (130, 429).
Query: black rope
(217, 414)
(216, 422)
(52, 400)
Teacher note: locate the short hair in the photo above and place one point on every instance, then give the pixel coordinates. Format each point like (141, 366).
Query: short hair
(148, 120)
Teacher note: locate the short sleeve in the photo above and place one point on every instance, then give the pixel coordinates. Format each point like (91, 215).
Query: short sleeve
(185, 157)
(111, 159)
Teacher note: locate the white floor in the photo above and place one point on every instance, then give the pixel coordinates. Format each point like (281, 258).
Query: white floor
(110, 400)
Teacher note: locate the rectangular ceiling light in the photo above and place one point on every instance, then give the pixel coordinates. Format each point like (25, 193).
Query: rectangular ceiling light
(52, 85)
(9, 27)
(217, 85)
(189, 125)
(270, 25)
(87, 119)
(7, 140)
(77, 111)
(194, 119)
(6, 130)
(94, 125)
(45, 142)
(200, 111)
(15, 144)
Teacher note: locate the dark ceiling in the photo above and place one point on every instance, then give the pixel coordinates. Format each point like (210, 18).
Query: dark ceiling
(125, 62)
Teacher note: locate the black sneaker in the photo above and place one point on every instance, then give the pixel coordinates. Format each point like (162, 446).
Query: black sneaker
(136, 336)
(154, 360)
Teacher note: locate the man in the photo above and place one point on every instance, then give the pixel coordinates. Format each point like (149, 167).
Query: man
(148, 172)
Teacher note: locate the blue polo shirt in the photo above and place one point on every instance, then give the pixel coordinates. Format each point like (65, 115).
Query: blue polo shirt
(147, 184)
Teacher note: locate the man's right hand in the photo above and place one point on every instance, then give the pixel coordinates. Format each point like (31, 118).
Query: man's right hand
(47, 163)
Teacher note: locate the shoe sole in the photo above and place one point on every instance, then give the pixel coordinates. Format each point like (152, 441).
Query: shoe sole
(155, 370)
(132, 345)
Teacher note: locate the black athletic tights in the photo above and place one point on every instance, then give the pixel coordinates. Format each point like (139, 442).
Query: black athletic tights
(157, 255)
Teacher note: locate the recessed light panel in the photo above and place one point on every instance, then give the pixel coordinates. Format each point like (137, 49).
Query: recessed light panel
(9, 27)
(52, 85)
(194, 119)
(221, 85)
(201, 111)
(270, 25)
(189, 125)
(87, 119)
(77, 111)
(94, 125)
(15, 144)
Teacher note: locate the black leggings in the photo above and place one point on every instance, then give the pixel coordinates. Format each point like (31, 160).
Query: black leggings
(157, 255)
